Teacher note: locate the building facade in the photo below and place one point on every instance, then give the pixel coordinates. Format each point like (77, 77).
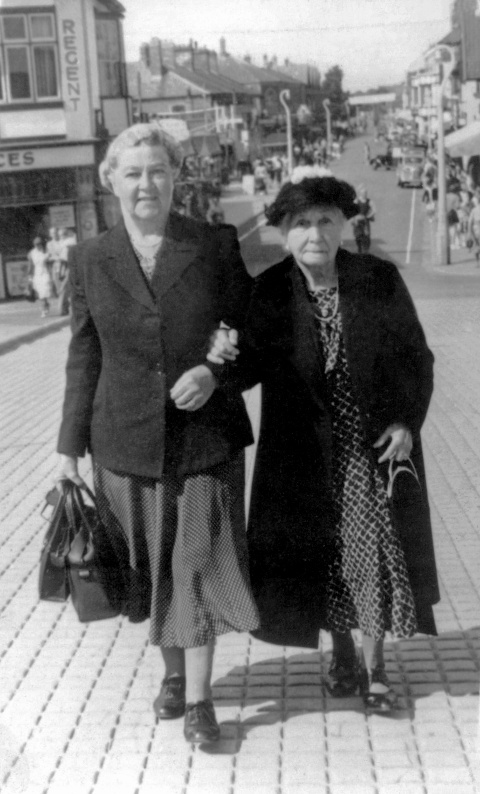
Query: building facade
(63, 94)
(184, 82)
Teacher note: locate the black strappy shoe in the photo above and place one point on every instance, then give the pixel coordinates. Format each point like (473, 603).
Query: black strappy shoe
(343, 678)
(377, 693)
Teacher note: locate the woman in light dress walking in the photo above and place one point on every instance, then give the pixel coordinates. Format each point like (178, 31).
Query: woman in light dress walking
(39, 274)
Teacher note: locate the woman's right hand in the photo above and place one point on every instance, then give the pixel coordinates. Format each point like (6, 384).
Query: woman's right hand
(68, 470)
(223, 346)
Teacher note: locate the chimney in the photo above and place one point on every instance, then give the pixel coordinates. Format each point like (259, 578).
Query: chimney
(247, 58)
(168, 54)
(223, 47)
(155, 56)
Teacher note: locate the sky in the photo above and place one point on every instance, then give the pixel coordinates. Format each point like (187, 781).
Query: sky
(374, 41)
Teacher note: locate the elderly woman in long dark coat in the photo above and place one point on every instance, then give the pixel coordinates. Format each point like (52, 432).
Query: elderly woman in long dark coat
(346, 379)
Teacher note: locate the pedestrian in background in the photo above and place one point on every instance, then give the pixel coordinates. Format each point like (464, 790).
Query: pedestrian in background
(277, 169)
(166, 438)
(346, 377)
(40, 275)
(67, 239)
(453, 220)
(362, 220)
(473, 227)
(54, 248)
(260, 176)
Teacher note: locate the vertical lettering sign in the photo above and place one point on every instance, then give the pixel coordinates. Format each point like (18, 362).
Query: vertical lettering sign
(75, 66)
(72, 66)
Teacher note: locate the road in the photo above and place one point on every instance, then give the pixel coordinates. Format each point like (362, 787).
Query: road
(75, 700)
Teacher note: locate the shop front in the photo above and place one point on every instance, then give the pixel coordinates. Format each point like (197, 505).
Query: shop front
(40, 188)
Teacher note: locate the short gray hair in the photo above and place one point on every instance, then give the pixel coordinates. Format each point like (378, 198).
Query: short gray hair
(152, 135)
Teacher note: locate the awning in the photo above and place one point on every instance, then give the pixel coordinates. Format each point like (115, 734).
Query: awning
(464, 142)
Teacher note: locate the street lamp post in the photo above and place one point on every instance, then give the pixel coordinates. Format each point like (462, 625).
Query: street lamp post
(326, 105)
(443, 243)
(284, 96)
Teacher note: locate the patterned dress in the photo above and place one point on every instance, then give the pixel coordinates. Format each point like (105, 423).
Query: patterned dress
(369, 586)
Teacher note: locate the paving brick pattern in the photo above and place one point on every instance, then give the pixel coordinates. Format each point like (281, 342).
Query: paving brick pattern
(76, 700)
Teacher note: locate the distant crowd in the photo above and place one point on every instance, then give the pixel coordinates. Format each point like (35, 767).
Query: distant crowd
(463, 203)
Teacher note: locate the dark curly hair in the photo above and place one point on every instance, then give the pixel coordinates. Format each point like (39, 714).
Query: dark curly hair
(312, 192)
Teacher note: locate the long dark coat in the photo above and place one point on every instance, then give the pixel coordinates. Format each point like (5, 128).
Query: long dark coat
(131, 341)
(290, 524)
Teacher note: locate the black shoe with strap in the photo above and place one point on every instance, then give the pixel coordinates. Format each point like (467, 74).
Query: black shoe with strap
(378, 695)
(201, 726)
(343, 677)
(170, 703)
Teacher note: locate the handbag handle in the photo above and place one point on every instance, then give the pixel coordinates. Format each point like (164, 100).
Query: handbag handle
(77, 488)
(392, 473)
(73, 496)
(82, 530)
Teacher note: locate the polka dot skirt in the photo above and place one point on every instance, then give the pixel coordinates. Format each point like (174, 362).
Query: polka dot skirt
(183, 541)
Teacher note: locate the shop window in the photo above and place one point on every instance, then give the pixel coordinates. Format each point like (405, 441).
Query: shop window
(29, 53)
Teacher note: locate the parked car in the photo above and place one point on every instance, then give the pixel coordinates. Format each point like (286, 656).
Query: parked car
(410, 168)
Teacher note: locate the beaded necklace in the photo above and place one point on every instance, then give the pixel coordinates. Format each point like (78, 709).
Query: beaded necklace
(147, 256)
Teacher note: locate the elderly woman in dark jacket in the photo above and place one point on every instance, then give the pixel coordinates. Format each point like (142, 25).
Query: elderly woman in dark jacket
(346, 381)
(166, 437)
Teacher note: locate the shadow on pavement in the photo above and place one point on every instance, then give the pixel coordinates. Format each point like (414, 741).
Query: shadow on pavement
(282, 687)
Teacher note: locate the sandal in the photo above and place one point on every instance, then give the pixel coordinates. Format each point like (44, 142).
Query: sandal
(377, 693)
(343, 678)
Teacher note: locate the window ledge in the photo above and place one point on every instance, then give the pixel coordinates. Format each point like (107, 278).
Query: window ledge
(12, 106)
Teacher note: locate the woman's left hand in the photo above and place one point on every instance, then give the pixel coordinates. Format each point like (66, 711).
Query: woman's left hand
(401, 443)
(194, 388)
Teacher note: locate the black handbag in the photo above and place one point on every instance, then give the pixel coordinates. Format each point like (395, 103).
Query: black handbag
(53, 580)
(77, 558)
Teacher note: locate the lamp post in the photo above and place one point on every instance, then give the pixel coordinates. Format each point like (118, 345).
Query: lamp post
(326, 105)
(284, 96)
(443, 243)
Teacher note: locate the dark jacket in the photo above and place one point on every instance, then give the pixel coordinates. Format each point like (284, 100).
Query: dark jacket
(291, 524)
(131, 341)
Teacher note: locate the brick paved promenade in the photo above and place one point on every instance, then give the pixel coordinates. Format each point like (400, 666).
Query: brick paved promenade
(75, 700)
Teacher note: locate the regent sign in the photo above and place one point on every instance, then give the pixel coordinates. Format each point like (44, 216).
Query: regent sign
(72, 65)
